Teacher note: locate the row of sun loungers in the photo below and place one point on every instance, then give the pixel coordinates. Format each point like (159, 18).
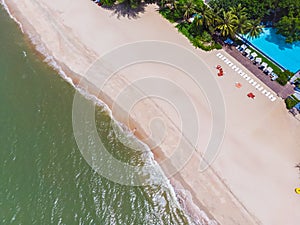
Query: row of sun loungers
(258, 61)
(248, 78)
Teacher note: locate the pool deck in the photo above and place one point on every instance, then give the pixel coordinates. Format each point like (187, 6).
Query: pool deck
(281, 91)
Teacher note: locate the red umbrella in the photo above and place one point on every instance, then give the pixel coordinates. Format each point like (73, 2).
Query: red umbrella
(238, 85)
(251, 95)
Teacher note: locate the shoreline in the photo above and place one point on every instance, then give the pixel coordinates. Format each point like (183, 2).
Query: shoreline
(159, 153)
(188, 206)
(181, 191)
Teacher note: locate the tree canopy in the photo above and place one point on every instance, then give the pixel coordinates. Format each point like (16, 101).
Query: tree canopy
(282, 14)
(228, 17)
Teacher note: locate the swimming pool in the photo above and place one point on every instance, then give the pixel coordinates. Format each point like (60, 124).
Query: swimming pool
(274, 46)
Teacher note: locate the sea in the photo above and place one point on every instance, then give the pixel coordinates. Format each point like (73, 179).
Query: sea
(44, 179)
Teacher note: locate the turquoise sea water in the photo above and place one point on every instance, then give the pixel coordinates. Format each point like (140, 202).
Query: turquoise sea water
(43, 177)
(274, 46)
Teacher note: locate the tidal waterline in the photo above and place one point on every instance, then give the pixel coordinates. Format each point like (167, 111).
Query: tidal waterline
(44, 179)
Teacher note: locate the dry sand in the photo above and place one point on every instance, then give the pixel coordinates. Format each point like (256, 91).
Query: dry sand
(253, 178)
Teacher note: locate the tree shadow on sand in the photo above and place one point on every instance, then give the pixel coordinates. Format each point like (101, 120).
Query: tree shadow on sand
(124, 10)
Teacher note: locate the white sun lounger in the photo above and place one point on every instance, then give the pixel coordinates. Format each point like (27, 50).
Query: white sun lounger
(252, 56)
(253, 82)
(235, 68)
(247, 52)
(258, 87)
(272, 98)
(240, 71)
(258, 61)
(266, 93)
(269, 70)
(246, 77)
(263, 65)
(242, 48)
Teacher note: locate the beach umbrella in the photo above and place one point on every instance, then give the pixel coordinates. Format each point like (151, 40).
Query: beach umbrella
(238, 84)
(251, 95)
(258, 60)
(228, 41)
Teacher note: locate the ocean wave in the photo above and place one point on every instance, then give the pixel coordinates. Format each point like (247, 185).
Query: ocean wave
(40, 47)
(165, 183)
(2, 2)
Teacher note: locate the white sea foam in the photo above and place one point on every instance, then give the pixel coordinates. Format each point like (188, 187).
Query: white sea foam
(40, 47)
(2, 2)
(157, 177)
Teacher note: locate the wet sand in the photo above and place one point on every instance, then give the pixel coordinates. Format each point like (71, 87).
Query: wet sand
(251, 181)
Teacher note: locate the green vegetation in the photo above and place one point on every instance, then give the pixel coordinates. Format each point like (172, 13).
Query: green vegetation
(199, 38)
(291, 101)
(290, 28)
(283, 14)
(284, 77)
(226, 18)
(210, 24)
(108, 2)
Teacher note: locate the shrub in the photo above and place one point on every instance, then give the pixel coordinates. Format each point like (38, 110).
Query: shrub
(171, 15)
(108, 2)
(206, 37)
(184, 28)
(284, 77)
(290, 102)
(218, 46)
(203, 40)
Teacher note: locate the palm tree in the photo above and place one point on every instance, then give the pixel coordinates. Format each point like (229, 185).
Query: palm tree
(206, 17)
(188, 8)
(227, 24)
(242, 21)
(255, 29)
(243, 24)
(239, 11)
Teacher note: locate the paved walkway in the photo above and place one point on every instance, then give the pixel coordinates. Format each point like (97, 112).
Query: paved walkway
(281, 91)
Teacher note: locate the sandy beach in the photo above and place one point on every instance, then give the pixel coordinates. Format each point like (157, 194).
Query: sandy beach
(253, 177)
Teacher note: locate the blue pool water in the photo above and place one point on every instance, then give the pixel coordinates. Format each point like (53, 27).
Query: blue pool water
(274, 46)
